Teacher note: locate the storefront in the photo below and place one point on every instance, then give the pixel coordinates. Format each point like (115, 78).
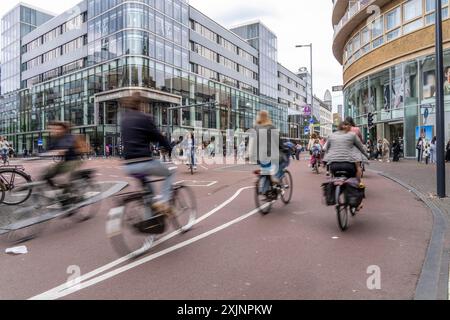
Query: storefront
(402, 98)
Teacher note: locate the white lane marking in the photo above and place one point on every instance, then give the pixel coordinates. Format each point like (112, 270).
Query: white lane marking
(113, 273)
(204, 167)
(124, 259)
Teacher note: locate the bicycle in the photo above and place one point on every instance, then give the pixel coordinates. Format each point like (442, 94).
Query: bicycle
(50, 201)
(316, 165)
(5, 159)
(129, 227)
(268, 192)
(345, 204)
(12, 178)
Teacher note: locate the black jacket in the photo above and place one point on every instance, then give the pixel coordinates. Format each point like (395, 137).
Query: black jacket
(138, 132)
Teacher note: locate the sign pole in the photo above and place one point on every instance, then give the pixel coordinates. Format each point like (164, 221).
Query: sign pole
(440, 112)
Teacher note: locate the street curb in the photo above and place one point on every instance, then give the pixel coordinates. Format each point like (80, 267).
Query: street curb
(116, 188)
(428, 284)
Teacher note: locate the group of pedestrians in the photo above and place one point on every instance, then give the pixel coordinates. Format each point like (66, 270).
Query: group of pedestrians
(427, 151)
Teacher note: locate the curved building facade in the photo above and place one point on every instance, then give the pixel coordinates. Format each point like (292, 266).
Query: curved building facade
(386, 49)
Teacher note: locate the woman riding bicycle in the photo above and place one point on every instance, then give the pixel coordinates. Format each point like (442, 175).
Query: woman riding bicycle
(344, 150)
(263, 127)
(362, 159)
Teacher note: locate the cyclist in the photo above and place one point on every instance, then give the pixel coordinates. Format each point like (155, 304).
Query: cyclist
(264, 126)
(65, 144)
(342, 151)
(316, 152)
(4, 149)
(190, 150)
(357, 131)
(138, 132)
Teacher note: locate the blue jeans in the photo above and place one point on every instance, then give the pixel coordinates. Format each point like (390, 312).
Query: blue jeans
(154, 168)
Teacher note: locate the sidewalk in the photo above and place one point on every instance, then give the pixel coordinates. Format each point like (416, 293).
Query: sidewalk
(419, 176)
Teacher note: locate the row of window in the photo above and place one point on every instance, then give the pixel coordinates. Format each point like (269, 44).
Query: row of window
(76, 65)
(137, 16)
(72, 24)
(290, 92)
(214, 37)
(137, 43)
(54, 53)
(217, 58)
(214, 75)
(407, 17)
(176, 9)
(289, 80)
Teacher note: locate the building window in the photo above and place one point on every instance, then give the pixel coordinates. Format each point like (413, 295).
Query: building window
(413, 26)
(412, 9)
(393, 19)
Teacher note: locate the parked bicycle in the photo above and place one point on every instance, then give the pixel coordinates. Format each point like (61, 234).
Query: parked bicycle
(12, 178)
(71, 200)
(132, 232)
(268, 192)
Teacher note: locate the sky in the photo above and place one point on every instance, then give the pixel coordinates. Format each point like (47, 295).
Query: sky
(294, 22)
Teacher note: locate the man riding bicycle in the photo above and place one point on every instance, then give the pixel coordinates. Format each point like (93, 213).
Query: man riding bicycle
(62, 144)
(138, 132)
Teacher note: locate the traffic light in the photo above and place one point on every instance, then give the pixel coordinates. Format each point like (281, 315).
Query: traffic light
(370, 120)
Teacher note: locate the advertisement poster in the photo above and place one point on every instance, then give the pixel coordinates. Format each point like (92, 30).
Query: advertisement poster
(429, 84)
(424, 132)
(398, 93)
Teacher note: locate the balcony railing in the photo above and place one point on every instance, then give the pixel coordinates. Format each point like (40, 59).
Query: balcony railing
(352, 10)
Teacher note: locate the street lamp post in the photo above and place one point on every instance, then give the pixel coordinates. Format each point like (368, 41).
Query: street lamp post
(311, 70)
(440, 112)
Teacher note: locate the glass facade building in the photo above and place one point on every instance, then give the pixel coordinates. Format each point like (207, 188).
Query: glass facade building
(189, 71)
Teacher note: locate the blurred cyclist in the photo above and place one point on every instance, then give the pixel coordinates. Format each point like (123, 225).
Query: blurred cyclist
(66, 145)
(138, 132)
(264, 126)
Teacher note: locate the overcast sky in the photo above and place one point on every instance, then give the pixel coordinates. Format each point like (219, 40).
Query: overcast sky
(294, 22)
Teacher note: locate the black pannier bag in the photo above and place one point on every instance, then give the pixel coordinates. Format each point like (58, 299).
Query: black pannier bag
(354, 195)
(329, 193)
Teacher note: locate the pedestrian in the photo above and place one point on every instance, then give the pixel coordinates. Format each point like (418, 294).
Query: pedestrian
(386, 151)
(4, 148)
(447, 155)
(107, 151)
(433, 151)
(298, 151)
(419, 148)
(25, 152)
(396, 148)
(427, 151)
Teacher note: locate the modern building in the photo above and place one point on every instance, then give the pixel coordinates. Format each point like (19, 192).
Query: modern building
(326, 115)
(188, 70)
(16, 23)
(389, 66)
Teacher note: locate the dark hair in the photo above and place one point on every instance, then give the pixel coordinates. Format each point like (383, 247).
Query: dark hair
(350, 121)
(343, 124)
(434, 140)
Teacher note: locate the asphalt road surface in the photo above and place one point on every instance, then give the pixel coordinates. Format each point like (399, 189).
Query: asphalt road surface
(296, 252)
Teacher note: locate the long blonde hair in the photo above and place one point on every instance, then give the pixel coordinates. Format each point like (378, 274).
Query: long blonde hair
(263, 119)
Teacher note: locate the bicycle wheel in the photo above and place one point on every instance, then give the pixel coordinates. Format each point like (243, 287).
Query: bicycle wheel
(13, 180)
(185, 209)
(341, 210)
(263, 200)
(125, 238)
(30, 220)
(287, 185)
(2, 192)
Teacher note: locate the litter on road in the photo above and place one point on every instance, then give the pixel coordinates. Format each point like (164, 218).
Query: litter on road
(17, 250)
